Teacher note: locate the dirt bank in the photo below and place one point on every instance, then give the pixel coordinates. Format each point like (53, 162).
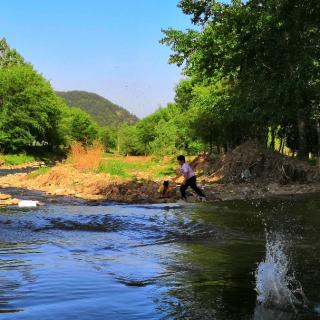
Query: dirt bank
(247, 172)
(66, 181)
(251, 162)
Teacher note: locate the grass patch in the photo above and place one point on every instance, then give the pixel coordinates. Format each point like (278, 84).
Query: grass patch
(169, 170)
(114, 168)
(136, 167)
(16, 159)
(39, 172)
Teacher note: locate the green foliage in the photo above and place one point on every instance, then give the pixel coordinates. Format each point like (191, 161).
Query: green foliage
(184, 93)
(165, 132)
(16, 159)
(166, 138)
(9, 57)
(39, 172)
(79, 126)
(29, 110)
(200, 9)
(251, 66)
(103, 111)
(32, 115)
(108, 138)
(129, 141)
(33, 118)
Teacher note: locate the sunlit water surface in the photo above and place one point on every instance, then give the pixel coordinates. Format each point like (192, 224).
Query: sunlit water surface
(228, 260)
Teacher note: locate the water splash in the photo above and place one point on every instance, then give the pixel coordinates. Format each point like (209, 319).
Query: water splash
(276, 284)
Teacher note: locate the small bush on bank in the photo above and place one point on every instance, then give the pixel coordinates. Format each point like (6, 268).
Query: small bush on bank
(85, 158)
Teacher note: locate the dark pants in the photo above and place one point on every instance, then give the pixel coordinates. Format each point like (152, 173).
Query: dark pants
(191, 182)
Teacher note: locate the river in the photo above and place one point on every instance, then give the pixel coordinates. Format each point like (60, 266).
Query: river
(229, 260)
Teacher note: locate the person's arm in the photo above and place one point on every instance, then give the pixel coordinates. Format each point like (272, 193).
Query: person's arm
(176, 177)
(179, 174)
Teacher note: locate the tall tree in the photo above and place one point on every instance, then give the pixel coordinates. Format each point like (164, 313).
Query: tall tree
(267, 54)
(30, 111)
(79, 126)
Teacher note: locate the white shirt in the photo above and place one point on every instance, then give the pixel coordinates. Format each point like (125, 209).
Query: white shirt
(187, 171)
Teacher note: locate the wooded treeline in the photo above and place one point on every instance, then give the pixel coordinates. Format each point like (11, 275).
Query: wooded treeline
(251, 72)
(33, 117)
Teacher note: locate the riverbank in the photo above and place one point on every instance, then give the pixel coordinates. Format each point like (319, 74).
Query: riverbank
(64, 180)
(247, 172)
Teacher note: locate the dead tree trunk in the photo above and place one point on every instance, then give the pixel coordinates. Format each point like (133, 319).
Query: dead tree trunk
(302, 144)
(318, 138)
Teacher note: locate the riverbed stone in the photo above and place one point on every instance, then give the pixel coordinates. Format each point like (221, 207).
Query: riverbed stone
(4, 196)
(9, 202)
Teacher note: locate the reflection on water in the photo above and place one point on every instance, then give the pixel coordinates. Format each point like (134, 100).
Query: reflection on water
(208, 261)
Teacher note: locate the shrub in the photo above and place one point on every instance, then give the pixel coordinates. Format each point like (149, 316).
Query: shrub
(86, 158)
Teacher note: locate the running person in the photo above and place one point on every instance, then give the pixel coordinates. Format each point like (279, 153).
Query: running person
(189, 179)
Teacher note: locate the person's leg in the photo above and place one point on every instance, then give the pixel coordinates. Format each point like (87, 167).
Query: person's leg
(183, 189)
(192, 182)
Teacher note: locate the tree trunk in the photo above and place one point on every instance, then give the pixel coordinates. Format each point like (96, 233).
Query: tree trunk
(318, 138)
(273, 137)
(303, 148)
(283, 145)
(225, 148)
(266, 137)
(262, 137)
(281, 142)
(211, 147)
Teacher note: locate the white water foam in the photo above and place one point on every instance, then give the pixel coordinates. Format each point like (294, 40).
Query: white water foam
(276, 284)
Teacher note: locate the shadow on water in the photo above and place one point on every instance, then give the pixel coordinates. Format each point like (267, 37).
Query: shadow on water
(5, 172)
(229, 260)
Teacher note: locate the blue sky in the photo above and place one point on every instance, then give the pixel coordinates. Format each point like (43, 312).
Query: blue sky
(105, 46)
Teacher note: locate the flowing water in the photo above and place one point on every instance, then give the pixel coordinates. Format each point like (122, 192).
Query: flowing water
(227, 260)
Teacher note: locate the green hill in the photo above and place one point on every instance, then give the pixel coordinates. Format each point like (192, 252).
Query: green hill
(101, 109)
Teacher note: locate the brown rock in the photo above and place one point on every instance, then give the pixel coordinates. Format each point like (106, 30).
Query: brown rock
(4, 196)
(9, 202)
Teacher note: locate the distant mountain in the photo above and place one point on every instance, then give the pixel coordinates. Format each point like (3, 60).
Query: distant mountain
(101, 109)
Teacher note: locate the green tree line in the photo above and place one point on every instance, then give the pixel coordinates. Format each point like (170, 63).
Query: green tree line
(33, 117)
(252, 71)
